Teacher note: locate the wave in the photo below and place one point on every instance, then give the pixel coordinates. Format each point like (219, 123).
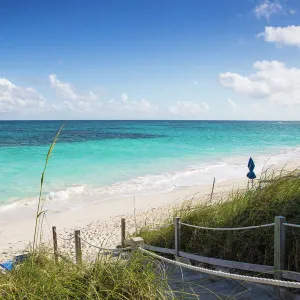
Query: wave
(65, 194)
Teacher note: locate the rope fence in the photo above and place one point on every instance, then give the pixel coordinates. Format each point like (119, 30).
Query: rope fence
(228, 229)
(291, 225)
(65, 239)
(274, 282)
(279, 225)
(78, 239)
(160, 227)
(105, 249)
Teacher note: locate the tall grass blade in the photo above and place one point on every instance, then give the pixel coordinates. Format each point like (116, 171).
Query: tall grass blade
(38, 212)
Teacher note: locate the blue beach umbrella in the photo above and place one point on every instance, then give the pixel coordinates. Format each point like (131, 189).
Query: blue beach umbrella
(251, 166)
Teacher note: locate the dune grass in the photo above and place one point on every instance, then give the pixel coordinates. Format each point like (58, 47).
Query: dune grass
(280, 196)
(106, 278)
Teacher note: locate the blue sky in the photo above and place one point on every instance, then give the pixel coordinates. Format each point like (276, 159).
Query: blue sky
(155, 59)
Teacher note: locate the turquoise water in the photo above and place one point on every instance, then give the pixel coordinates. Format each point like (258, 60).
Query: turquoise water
(110, 158)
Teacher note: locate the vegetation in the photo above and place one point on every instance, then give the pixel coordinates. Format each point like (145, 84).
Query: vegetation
(280, 196)
(105, 278)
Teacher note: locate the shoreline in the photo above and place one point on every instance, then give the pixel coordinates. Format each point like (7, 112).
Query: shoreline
(80, 193)
(100, 222)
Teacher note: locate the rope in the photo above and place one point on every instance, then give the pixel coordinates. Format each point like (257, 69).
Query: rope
(291, 225)
(160, 227)
(291, 284)
(227, 229)
(105, 249)
(65, 239)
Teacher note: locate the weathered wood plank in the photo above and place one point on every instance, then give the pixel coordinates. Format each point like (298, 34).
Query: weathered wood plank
(159, 249)
(229, 264)
(216, 261)
(291, 275)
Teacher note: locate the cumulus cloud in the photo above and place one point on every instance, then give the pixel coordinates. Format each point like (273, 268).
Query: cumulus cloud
(189, 108)
(232, 104)
(268, 8)
(272, 80)
(126, 104)
(24, 99)
(289, 35)
(16, 98)
(79, 102)
(66, 90)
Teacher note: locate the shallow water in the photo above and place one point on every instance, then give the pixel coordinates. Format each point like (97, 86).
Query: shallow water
(119, 158)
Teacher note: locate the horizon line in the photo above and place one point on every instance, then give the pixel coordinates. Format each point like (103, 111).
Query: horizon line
(147, 120)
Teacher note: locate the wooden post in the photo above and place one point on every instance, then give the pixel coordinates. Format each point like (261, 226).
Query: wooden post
(123, 228)
(55, 243)
(177, 228)
(136, 242)
(78, 247)
(212, 190)
(279, 249)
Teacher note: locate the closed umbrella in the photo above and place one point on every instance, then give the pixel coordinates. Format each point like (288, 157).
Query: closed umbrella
(251, 175)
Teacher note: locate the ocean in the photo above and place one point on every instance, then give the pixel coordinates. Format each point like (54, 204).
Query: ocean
(108, 159)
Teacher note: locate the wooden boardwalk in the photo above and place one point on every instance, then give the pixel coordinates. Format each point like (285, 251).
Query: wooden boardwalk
(189, 285)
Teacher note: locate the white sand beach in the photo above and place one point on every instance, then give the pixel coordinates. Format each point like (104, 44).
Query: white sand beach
(100, 222)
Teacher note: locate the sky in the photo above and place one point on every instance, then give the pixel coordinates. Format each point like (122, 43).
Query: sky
(155, 59)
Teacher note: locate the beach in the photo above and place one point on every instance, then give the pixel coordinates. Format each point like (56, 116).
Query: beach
(101, 171)
(100, 222)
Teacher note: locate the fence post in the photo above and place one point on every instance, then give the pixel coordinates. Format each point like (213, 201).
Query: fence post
(55, 243)
(177, 235)
(212, 190)
(123, 227)
(78, 247)
(279, 249)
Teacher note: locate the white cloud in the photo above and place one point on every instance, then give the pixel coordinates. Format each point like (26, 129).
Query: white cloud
(268, 8)
(289, 35)
(187, 108)
(15, 101)
(66, 90)
(272, 80)
(125, 104)
(232, 104)
(14, 98)
(124, 98)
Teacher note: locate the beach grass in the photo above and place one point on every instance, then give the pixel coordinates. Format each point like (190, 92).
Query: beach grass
(105, 278)
(278, 196)
(40, 212)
